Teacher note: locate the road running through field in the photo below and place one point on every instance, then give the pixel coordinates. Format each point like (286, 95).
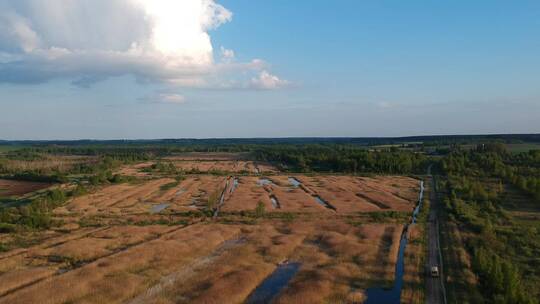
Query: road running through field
(434, 286)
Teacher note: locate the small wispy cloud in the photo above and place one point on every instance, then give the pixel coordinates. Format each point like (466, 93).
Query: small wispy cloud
(227, 55)
(386, 105)
(164, 98)
(172, 98)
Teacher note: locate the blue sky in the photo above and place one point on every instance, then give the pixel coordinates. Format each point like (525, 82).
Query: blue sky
(287, 68)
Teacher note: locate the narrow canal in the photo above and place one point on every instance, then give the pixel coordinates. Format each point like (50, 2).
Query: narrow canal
(379, 295)
(273, 284)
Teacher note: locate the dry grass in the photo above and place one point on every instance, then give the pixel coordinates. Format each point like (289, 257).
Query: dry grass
(128, 200)
(413, 289)
(135, 170)
(120, 276)
(119, 199)
(212, 262)
(21, 277)
(249, 192)
(204, 263)
(362, 194)
(335, 257)
(61, 163)
(214, 156)
(235, 166)
(347, 194)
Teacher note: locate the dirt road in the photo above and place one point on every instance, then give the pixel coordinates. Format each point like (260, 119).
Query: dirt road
(434, 288)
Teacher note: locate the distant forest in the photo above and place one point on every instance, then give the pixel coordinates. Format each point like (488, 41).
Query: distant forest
(367, 141)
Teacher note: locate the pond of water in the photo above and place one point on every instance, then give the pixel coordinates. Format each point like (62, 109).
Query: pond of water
(159, 208)
(273, 284)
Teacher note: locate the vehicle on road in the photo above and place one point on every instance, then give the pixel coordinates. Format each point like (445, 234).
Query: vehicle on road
(434, 271)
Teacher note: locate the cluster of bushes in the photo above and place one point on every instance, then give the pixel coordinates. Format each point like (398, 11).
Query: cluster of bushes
(35, 177)
(37, 213)
(384, 216)
(165, 168)
(473, 198)
(97, 172)
(499, 276)
(107, 177)
(492, 160)
(500, 280)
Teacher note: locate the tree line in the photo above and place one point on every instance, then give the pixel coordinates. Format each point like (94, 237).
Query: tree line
(342, 159)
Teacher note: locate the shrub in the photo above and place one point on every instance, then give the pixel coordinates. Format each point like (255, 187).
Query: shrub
(7, 228)
(260, 210)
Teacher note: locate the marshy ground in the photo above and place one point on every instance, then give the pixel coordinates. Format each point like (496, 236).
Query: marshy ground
(154, 239)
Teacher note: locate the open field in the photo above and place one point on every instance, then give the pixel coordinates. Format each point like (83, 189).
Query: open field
(191, 166)
(8, 148)
(160, 264)
(341, 194)
(46, 162)
(207, 156)
(225, 162)
(190, 194)
(137, 170)
(321, 194)
(16, 188)
(236, 166)
(517, 148)
(203, 238)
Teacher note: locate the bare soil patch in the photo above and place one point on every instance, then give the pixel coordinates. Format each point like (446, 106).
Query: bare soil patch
(16, 188)
(234, 166)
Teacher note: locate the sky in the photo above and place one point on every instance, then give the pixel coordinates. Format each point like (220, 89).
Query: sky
(141, 69)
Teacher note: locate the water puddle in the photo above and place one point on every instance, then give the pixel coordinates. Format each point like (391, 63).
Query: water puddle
(264, 182)
(234, 185)
(222, 198)
(159, 208)
(228, 244)
(294, 182)
(378, 295)
(273, 284)
(275, 202)
(323, 203)
(419, 205)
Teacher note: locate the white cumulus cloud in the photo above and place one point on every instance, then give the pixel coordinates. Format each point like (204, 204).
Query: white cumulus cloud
(90, 40)
(267, 81)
